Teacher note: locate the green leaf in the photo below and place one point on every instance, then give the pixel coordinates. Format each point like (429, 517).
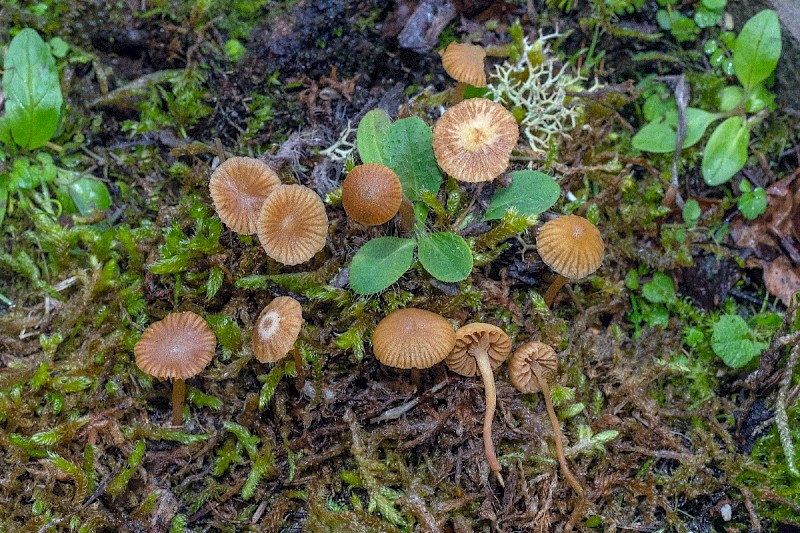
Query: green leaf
(530, 193)
(731, 339)
(660, 289)
(726, 151)
(757, 49)
(371, 136)
(234, 49)
(379, 263)
(730, 97)
(661, 136)
(705, 18)
(214, 282)
(32, 92)
(691, 212)
(90, 194)
(409, 152)
(753, 203)
(446, 256)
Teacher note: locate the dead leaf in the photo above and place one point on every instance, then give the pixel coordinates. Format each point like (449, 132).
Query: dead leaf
(781, 279)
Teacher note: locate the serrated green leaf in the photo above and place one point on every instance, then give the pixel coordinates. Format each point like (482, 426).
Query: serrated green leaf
(409, 152)
(733, 342)
(271, 382)
(660, 289)
(214, 282)
(32, 91)
(726, 151)
(446, 256)
(753, 203)
(530, 193)
(757, 49)
(48, 438)
(379, 263)
(371, 136)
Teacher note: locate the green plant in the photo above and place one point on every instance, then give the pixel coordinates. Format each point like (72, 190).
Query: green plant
(406, 147)
(755, 57)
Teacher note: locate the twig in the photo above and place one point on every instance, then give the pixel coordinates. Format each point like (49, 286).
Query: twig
(396, 412)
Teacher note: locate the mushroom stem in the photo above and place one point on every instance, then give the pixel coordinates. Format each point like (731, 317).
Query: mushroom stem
(300, 380)
(178, 394)
(406, 212)
(458, 92)
(562, 460)
(485, 368)
(415, 377)
(553, 289)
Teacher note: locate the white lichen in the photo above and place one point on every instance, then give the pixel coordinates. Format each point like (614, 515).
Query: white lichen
(537, 90)
(343, 147)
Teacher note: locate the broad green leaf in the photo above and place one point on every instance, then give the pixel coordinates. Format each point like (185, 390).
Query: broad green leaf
(726, 151)
(757, 48)
(660, 136)
(89, 194)
(530, 193)
(380, 262)
(446, 256)
(660, 289)
(752, 203)
(691, 212)
(732, 340)
(32, 92)
(409, 152)
(730, 97)
(371, 136)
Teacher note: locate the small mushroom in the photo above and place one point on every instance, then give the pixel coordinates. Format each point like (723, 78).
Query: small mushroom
(464, 63)
(238, 188)
(528, 370)
(480, 348)
(372, 195)
(413, 338)
(177, 347)
(276, 332)
(572, 247)
(473, 140)
(292, 224)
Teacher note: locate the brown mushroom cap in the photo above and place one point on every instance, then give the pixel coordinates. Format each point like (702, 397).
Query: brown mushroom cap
(371, 194)
(519, 367)
(179, 346)
(277, 329)
(478, 335)
(473, 140)
(464, 62)
(412, 338)
(571, 246)
(238, 188)
(292, 225)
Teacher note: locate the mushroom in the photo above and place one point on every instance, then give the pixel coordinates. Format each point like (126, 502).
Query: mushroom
(276, 332)
(412, 338)
(473, 140)
(464, 63)
(372, 195)
(480, 348)
(177, 347)
(238, 188)
(292, 224)
(528, 369)
(572, 247)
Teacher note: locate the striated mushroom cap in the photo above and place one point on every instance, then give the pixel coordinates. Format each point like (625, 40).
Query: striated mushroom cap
(412, 338)
(464, 62)
(520, 370)
(292, 224)
(478, 336)
(371, 194)
(179, 346)
(473, 140)
(277, 329)
(238, 188)
(571, 246)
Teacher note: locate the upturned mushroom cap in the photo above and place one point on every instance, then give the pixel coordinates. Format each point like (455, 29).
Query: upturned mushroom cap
(464, 62)
(412, 338)
(277, 329)
(371, 194)
(238, 188)
(519, 367)
(179, 346)
(571, 246)
(478, 336)
(473, 140)
(292, 224)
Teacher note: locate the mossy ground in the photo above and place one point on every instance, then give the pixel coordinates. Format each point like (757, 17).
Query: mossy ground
(151, 94)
